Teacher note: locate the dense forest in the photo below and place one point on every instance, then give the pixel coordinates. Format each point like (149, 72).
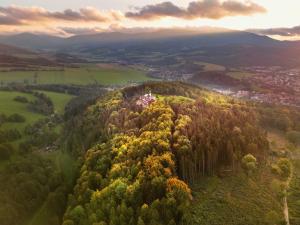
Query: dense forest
(29, 178)
(142, 160)
(27, 183)
(170, 161)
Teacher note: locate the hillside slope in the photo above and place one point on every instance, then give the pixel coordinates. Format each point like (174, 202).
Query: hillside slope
(145, 161)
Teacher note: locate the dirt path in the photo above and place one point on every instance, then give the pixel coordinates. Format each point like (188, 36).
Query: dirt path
(280, 143)
(286, 211)
(285, 203)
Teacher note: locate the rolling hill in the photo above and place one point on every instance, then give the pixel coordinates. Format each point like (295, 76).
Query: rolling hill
(32, 41)
(205, 37)
(220, 46)
(12, 57)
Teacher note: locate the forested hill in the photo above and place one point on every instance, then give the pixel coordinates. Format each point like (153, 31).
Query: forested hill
(144, 159)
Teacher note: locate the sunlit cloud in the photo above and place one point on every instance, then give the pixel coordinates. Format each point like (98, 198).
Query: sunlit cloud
(15, 15)
(211, 9)
(80, 30)
(286, 32)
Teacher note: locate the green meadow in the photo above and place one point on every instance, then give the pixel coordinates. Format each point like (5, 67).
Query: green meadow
(83, 75)
(210, 67)
(59, 100)
(233, 200)
(240, 74)
(8, 106)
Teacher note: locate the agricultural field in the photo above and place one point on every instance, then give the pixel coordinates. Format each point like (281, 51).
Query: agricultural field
(208, 67)
(239, 75)
(83, 75)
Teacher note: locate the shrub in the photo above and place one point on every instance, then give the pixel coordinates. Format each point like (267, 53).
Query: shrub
(16, 118)
(285, 167)
(6, 150)
(77, 214)
(21, 99)
(24, 147)
(275, 169)
(272, 218)
(9, 135)
(249, 163)
(68, 222)
(294, 137)
(278, 188)
(3, 118)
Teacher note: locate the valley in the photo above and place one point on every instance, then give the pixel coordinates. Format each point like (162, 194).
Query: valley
(170, 129)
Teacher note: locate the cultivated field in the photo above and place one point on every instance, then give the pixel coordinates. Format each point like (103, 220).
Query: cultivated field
(83, 75)
(210, 67)
(240, 74)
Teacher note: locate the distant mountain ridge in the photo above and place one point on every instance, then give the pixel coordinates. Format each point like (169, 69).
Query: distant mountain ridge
(209, 37)
(220, 46)
(8, 49)
(32, 41)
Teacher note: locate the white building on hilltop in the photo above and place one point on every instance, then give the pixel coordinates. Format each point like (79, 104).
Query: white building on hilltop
(146, 100)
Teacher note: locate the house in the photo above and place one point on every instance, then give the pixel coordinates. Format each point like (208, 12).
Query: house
(145, 100)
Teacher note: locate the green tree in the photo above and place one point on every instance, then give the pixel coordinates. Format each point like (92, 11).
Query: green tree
(78, 214)
(272, 218)
(294, 137)
(6, 150)
(285, 167)
(249, 163)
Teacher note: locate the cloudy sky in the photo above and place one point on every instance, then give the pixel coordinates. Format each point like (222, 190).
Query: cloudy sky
(278, 18)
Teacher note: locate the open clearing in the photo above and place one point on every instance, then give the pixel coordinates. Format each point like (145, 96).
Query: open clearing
(83, 75)
(240, 74)
(59, 100)
(232, 200)
(210, 67)
(8, 106)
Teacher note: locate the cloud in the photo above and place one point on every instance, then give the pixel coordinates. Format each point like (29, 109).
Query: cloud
(285, 32)
(15, 15)
(7, 20)
(212, 9)
(80, 30)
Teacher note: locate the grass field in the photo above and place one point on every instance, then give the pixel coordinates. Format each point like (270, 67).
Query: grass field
(59, 100)
(211, 67)
(8, 106)
(240, 74)
(294, 194)
(86, 74)
(231, 201)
